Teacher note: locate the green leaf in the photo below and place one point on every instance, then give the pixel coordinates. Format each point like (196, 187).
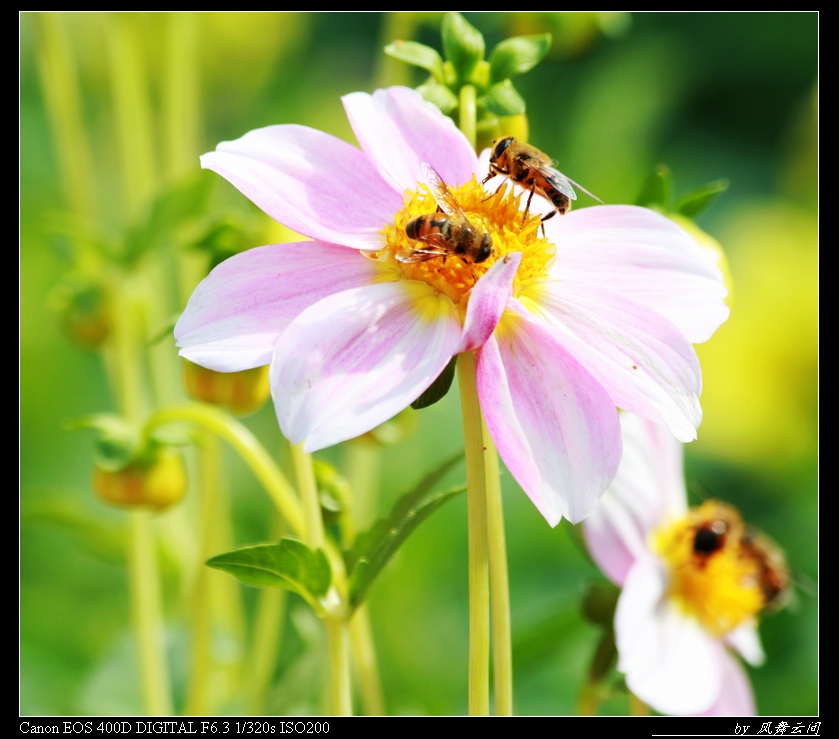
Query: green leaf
(502, 99)
(438, 389)
(419, 55)
(374, 548)
(439, 95)
(517, 55)
(170, 210)
(463, 45)
(288, 564)
(692, 204)
(656, 190)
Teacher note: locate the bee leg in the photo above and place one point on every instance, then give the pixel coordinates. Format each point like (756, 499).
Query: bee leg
(493, 194)
(527, 207)
(545, 218)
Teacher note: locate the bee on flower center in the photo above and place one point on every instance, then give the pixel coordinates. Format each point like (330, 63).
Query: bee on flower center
(533, 170)
(448, 232)
(719, 532)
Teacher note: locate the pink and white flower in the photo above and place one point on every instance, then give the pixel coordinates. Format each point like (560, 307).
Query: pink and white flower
(600, 314)
(676, 645)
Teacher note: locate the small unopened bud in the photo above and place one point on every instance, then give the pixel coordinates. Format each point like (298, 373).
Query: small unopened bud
(241, 393)
(156, 482)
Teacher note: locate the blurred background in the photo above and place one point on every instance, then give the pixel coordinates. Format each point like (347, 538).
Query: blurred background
(115, 110)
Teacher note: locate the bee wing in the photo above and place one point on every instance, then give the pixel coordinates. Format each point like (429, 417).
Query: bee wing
(566, 185)
(440, 191)
(430, 250)
(559, 181)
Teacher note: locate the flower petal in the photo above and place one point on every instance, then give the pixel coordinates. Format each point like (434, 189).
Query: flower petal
(648, 489)
(555, 427)
(669, 659)
(355, 359)
(643, 361)
(399, 130)
(736, 697)
(640, 254)
(487, 302)
(745, 640)
(236, 314)
(309, 181)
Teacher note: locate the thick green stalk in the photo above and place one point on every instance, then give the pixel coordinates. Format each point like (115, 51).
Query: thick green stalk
(147, 615)
(502, 649)
(468, 114)
(479, 624)
(337, 614)
(310, 501)
(363, 464)
(61, 94)
(265, 647)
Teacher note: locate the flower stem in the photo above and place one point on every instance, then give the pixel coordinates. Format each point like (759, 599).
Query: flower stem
(308, 490)
(637, 707)
(61, 94)
(147, 616)
(337, 614)
(502, 650)
(364, 654)
(247, 446)
(479, 631)
(338, 639)
(363, 464)
(468, 114)
(266, 645)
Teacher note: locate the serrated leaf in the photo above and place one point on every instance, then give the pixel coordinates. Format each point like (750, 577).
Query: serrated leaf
(439, 95)
(288, 564)
(463, 45)
(374, 548)
(438, 389)
(417, 54)
(656, 190)
(517, 55)
(502, 99)
(692, 204)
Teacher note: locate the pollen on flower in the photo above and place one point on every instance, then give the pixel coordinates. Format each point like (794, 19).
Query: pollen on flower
(446, 251)
(720, 571)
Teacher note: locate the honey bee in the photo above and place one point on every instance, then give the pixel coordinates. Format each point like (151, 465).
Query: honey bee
(532, 169)
(448, 232)
(724, 528)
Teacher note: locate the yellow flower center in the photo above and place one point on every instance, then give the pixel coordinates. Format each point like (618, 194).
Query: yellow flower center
(720, 571)
(443, 249)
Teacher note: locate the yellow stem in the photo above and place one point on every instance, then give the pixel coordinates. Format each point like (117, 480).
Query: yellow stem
(502, 649)
(308, 490)
(364, 654)
(147, 615)
(479, 631)
(468, 114)
(61, 94)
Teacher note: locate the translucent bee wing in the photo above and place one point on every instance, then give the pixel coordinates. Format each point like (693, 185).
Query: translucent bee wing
(560, 182)
(429, 251)
(440, 191)
(579, 187)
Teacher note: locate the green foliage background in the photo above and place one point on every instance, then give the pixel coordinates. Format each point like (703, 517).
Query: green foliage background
(710, 94)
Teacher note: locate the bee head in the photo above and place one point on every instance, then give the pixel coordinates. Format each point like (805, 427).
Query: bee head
(499, 147)
(485, 250)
